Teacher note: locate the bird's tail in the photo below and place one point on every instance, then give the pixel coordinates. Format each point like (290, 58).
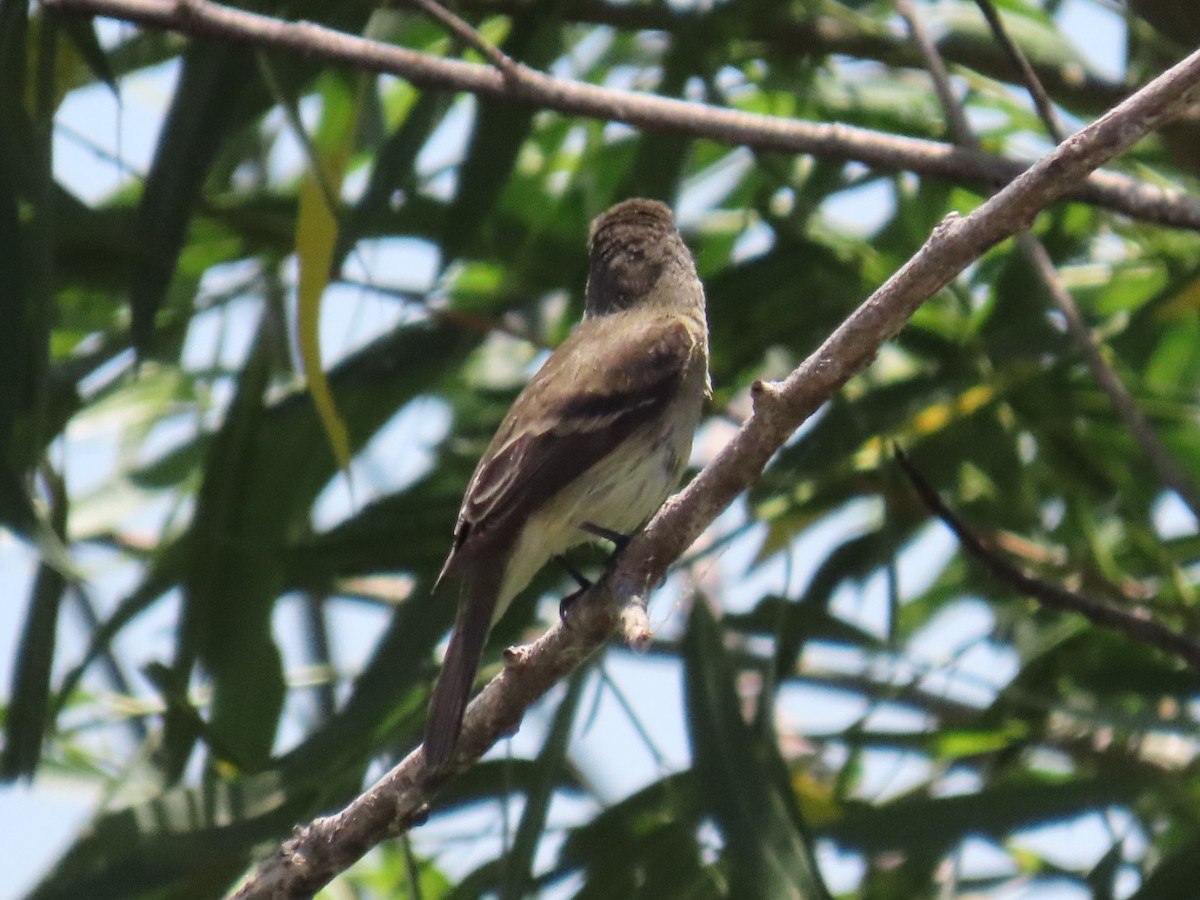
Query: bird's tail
(480, 588)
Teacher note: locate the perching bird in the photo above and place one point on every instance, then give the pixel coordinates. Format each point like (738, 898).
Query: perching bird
(593, 445)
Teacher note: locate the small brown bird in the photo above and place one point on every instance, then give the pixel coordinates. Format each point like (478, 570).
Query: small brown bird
(593, 445)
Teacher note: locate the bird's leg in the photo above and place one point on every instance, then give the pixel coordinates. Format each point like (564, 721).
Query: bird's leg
(580, 579)
(616, 538)
(565, 604)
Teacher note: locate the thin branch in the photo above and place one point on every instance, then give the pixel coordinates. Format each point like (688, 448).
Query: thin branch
(315, 629)
(956, 120)
(327, 846)
(1041, 100)
(202, 18)
(109, 664)
(471, 37)
(811, 30)
(1139, 626)
(506, 324)
(1169, 472)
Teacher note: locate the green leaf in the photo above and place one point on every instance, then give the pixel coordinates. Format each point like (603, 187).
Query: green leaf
(746, 788)
(1174, 878)
(499, 133)
(82, 34)
(28, 720)
(993, 812)
(518, 869)
(189, 842)
(191, 136)
(230, 585)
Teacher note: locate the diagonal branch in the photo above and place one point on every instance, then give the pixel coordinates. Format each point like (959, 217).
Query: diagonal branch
(1169, 472)
(472, 38)
(202, 18)
(805, 31)
(956, 118)
(1138, 626)
(1033, 84)
(327, 846)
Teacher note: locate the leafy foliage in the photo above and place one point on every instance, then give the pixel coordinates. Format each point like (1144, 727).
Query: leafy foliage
(867, 712)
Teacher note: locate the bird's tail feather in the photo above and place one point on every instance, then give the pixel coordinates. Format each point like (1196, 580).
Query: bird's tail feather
(480, 588)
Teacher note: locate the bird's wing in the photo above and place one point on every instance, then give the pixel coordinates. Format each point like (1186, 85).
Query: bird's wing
(629, 376)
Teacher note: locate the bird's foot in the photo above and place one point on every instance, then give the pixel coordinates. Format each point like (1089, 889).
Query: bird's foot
(564, 605)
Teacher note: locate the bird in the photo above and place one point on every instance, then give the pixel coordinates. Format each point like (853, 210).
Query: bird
(593, 445)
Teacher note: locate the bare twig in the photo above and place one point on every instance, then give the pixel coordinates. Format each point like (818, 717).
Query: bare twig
(1137, 625)
(318, 851)
(202, 18)
(1041, 100)
(1169, 472)
(470, 321)
(472, 38)
(816, 30)
(956, 120)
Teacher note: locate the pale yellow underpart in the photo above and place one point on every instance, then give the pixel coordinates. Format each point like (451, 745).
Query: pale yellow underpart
(621, 492)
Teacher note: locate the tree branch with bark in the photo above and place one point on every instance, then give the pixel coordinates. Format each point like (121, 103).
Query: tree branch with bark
(524, 86)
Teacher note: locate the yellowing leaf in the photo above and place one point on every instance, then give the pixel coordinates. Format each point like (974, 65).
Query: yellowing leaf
(316, 238)
(1185, 302)
(934, 418)
(816, 798)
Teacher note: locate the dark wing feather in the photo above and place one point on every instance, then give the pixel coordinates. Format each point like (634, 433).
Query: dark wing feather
(638, 375)
(480, 587)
